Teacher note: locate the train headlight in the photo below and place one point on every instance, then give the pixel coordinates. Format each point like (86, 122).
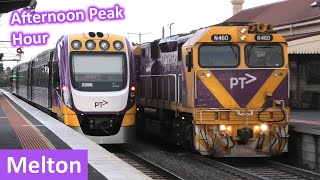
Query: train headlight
(66, 96)
(225, 129)
(90, 45)
(104, 45)
(264, 127)
(76, 44)
(118, 45)
(222, 128)
(229, 128)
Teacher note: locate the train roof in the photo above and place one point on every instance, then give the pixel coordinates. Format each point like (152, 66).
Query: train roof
(28, 61)
(90, 35)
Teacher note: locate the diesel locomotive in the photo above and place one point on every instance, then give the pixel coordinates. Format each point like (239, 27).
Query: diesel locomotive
(220, 90)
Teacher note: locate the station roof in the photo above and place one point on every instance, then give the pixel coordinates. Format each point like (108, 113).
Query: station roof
(280, 13)
(11, 5)
(307, 43)
(284, 13)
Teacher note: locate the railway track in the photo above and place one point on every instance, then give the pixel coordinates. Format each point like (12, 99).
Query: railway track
(150, 169)
(259, 169)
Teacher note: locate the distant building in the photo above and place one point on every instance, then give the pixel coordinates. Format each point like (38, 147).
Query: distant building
(299, 22)
(237, 6)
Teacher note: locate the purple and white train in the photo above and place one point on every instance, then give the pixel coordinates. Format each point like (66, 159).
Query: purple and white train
(87, 81)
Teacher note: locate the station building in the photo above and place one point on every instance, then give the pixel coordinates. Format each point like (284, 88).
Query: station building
(299, 22)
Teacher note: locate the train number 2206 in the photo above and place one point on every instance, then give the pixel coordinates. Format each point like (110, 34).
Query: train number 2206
(87, 84)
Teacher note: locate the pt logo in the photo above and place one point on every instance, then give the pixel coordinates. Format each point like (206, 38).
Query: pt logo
(243, 80)
(100, 104)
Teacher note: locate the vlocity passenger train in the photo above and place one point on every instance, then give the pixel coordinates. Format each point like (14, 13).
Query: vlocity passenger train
(221, 90)
(87, 81)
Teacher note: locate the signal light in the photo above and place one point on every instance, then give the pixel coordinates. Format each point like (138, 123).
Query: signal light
(133, 88)
(19, 51)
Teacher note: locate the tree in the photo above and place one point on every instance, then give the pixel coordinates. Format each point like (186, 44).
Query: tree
(8, 70)
(1, 68)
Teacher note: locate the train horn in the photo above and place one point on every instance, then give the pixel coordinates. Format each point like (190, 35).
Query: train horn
(262, 28)
(252, 27)
(269, 28)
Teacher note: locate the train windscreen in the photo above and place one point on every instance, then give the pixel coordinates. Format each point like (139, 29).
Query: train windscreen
(264, 56)
(212, 56)
(98, 72)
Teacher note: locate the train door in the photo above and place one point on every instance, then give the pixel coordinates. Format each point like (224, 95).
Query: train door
(50, 83)
(17, 80)
(29, 81)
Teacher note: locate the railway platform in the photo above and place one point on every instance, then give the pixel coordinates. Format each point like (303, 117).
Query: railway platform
(305, 121)
(304, 141)
(24, 127)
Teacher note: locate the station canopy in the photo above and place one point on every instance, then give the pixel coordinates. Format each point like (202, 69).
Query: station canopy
(306, 43)
(11, 5)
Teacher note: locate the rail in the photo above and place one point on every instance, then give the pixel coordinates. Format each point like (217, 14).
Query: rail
(258, 168)
(145, 166)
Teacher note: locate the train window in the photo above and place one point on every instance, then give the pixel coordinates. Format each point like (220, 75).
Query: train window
(99, 72)
(264, 55)
(217, 56)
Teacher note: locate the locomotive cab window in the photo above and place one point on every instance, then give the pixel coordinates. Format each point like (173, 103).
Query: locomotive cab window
(264, 56)
(98, 72)
(218, 56)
